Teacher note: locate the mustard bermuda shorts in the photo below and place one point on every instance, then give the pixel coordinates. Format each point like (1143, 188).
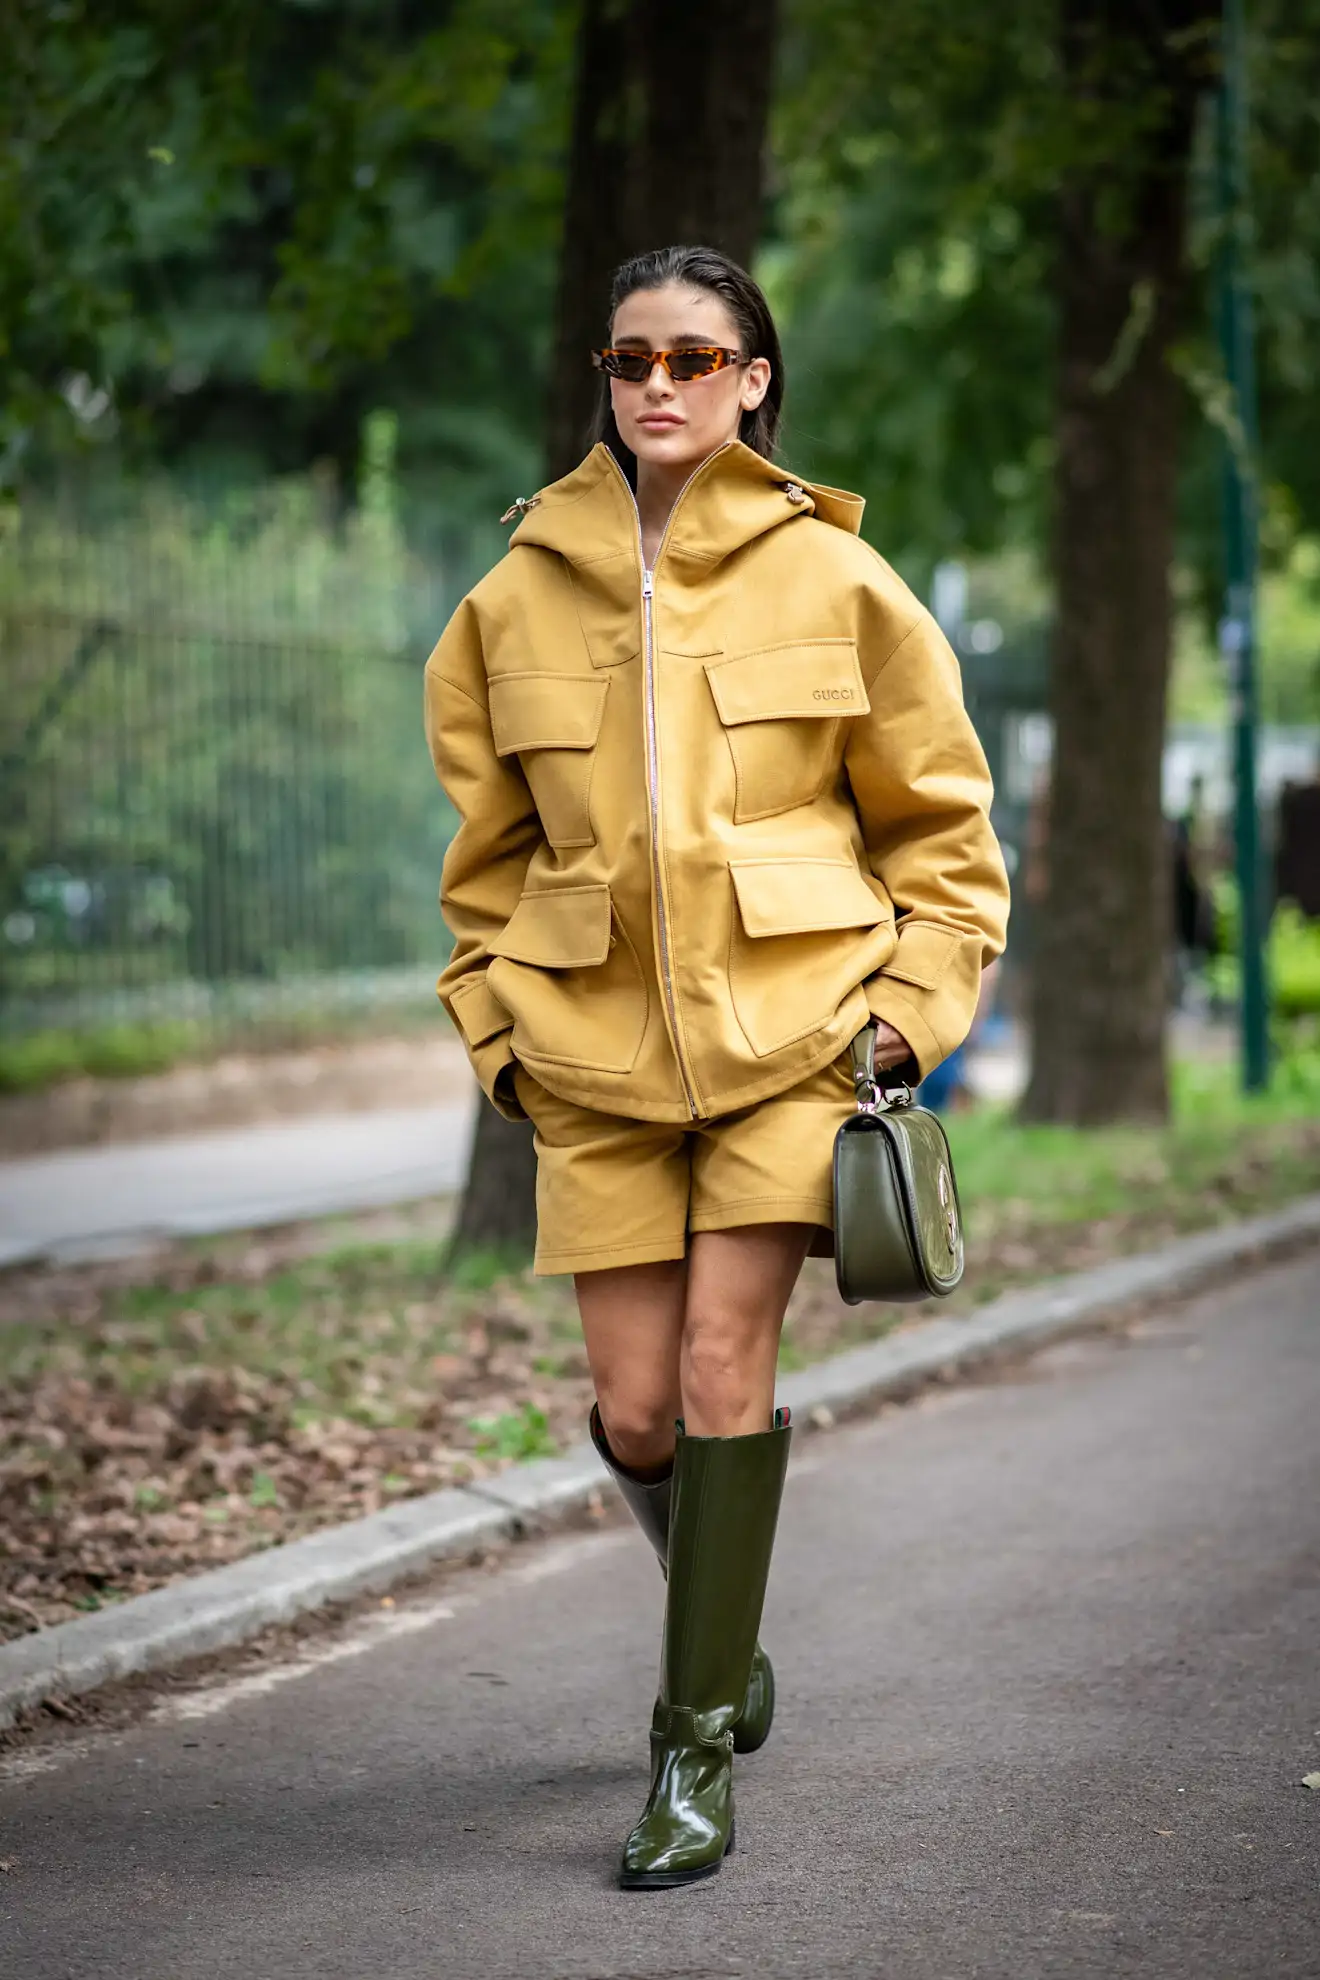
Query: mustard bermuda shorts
(612, 1191)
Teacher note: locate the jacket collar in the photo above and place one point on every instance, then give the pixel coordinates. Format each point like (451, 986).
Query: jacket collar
(736, 495)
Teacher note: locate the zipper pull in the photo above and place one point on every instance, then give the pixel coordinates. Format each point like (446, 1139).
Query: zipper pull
(648, 583)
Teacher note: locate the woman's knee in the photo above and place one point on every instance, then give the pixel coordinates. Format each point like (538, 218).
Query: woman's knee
(720, 1368)
(638, 1424)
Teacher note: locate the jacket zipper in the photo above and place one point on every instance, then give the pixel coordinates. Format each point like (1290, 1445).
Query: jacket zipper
(653, 792)
(653, 763)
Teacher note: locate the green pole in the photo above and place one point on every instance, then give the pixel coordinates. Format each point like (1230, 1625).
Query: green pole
(1237, 629)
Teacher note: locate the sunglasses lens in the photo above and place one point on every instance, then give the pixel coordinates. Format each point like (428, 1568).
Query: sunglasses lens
(686, 365)
(630, 365)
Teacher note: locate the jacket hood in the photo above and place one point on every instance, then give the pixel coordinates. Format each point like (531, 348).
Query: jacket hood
(735, 496)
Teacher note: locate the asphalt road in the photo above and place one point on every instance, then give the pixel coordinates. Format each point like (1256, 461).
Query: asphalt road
(1049, 1658)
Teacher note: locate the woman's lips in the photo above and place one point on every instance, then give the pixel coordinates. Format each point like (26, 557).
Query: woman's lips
(659, 419)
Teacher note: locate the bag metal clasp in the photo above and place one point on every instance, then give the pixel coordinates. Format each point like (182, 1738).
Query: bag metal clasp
(873, 1096)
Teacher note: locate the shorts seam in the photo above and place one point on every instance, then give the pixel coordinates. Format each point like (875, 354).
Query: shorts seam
(544, 1255)
(776, 1196)
(817, 1203)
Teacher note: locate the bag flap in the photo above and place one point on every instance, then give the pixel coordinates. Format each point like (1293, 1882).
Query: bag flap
(546, 711)
(802, 677)
(925, 1169)
(566, 928)
(798, 896)
(478, 1010)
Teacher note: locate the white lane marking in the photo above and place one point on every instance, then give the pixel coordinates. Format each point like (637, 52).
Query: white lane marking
(378, 1627)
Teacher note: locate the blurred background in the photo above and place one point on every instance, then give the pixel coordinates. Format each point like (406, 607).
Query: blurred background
(296, 301)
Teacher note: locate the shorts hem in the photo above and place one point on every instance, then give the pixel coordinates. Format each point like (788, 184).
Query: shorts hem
(600, 1257)
(764, 1210)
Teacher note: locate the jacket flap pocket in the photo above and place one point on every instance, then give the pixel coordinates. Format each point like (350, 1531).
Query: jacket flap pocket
(567, 928)
(799, 896)
(545, 711)
(802, 677)
(478, 1010)
(924, 953)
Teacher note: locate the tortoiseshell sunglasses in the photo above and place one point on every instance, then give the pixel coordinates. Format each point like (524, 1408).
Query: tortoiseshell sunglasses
(682, 366)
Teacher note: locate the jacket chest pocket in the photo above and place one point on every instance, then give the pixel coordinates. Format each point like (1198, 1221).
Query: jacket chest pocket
(782, 709)
(551, 722)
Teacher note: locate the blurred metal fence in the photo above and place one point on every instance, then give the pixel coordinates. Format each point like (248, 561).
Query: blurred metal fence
(216, 808)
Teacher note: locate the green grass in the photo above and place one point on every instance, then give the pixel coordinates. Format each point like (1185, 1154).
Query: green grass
(362, 1333)
(112, 1051)
(366, 1332)
(40, 1059)
(1053, 1174)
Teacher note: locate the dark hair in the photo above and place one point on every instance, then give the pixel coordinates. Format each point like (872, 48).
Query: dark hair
(704, 268)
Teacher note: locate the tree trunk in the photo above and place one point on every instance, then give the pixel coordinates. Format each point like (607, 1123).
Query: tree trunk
(1101, 977)
(498, 1210)
(667, 145)
(668, 142)
(602, 217)
(709, 72)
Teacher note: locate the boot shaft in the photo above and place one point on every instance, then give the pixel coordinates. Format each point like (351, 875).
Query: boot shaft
(726, 1495)
(646, 1499)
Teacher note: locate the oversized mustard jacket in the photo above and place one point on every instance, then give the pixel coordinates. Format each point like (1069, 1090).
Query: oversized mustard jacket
(711, 816)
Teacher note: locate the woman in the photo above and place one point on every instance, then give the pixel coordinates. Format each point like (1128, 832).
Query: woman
(720, 809)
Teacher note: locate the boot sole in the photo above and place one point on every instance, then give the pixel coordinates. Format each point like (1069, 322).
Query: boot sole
(669, 1880)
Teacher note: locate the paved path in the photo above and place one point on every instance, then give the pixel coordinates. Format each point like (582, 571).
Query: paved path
(1047, 1650)
(99, 1202)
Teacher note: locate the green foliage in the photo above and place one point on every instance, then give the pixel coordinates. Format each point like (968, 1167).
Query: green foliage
(1062, 1174)
(223, 236)
(215, 763)
(872, 280)
(1293, 963)
(521, 1434)
(117, 1051)
(479, 1270)
(922, 153)
(1292, 956)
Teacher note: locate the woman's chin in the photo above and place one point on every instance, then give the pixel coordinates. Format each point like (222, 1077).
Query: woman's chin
(674, 448)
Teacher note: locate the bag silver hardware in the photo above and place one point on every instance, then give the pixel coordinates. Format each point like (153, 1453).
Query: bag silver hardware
(872, 1093)
(948, 1203)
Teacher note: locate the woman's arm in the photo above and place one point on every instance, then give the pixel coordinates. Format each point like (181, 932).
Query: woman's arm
(922, 790)
(486, 864)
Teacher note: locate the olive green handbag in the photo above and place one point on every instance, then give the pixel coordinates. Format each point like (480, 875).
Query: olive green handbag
(897, 1225)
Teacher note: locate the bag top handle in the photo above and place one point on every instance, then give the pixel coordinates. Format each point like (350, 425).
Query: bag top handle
(873, 1095)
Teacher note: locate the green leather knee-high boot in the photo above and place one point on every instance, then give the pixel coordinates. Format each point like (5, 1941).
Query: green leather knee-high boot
(648, 1502)
(726, 1493)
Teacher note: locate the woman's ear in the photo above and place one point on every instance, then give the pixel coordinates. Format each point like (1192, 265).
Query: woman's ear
(756, 383)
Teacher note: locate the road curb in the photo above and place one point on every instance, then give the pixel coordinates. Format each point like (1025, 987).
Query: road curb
(225, 1606)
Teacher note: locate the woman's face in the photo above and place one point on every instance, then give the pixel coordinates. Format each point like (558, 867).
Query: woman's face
(679, 426)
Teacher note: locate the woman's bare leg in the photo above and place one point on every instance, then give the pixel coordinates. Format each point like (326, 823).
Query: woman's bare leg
(738, 1286)
(632, 1323)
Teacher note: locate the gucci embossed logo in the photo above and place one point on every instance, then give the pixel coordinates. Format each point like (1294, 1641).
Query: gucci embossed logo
(831, 694)
(949, 1205)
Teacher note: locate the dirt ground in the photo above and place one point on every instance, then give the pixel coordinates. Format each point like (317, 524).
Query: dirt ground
(420, 1069)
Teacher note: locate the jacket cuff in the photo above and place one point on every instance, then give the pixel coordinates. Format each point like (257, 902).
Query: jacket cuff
(493, 1065)
(928, 990)
(487, 1030)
